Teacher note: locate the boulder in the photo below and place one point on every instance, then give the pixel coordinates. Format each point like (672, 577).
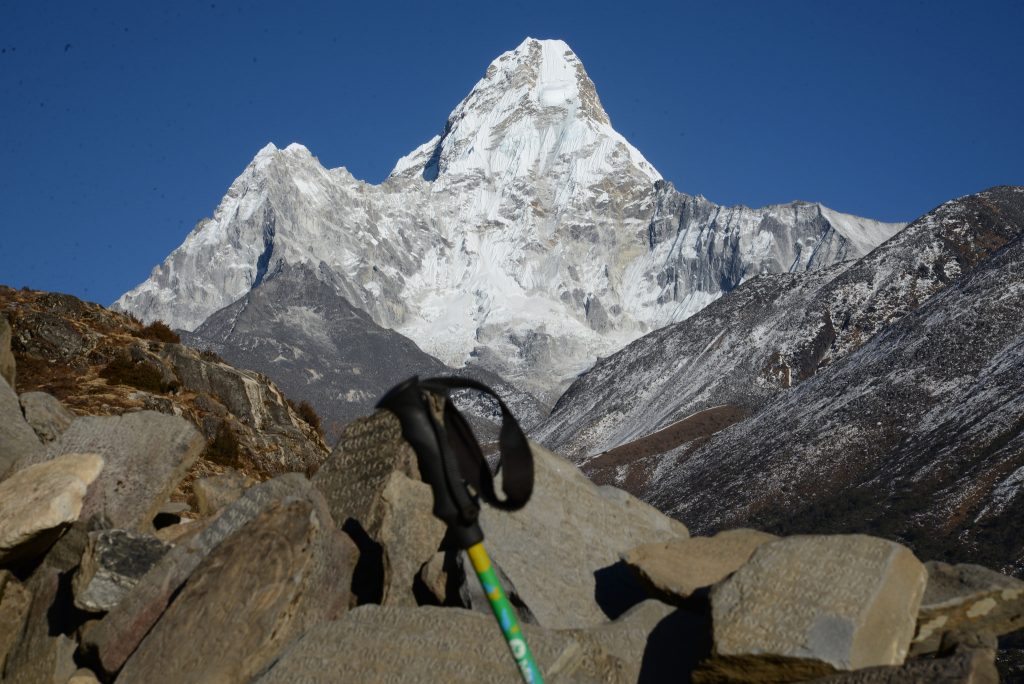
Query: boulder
(114, 561)
(7, 365)
(808, 606)
(43, 653)
(676, 569)
(966, 597)
(283, 572)
(371, 482)
(245, 393)
(45, 415)
(562, 550)
(110, 641)
(39, 502)
(147, 454)
(217, 491)
(15, 600)
(18, 442)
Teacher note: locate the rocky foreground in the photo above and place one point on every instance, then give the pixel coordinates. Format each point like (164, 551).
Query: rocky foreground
(341, 574)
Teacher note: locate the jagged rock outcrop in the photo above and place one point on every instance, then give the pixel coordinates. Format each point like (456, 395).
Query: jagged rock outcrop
(100, 362)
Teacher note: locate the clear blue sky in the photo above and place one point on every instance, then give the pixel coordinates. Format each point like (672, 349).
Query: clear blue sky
(123, 123)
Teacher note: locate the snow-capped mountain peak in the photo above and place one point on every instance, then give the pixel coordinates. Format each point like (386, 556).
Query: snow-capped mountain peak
(528, 237)
(535, 112)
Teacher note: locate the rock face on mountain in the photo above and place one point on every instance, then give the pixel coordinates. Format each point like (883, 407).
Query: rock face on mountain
(918, 435)
(528, 237)
(776, 331)
(885, 395)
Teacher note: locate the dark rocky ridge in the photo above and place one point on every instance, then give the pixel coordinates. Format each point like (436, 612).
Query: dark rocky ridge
(298, 329)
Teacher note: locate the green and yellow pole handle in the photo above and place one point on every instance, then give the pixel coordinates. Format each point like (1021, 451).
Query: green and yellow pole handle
(451, 461)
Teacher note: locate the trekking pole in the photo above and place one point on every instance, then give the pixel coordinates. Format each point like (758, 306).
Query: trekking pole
(450, 460)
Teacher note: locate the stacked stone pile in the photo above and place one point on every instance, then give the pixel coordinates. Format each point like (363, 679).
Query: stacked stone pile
(346, 577)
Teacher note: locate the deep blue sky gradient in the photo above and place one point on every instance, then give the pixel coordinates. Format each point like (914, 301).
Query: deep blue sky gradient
(123, 123)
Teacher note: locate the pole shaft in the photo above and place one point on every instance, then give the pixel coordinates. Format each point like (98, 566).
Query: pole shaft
(505, 615)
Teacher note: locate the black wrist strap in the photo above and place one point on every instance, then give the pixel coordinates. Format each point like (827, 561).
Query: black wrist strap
(516, 459)
(450, 457)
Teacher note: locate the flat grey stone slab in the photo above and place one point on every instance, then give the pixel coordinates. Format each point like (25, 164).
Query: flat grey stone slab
(147, 454)
(562, 550)
(812, 605)
(429, 644)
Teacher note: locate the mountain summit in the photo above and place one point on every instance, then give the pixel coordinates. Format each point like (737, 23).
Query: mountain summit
(534, 114)
(528, 237)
